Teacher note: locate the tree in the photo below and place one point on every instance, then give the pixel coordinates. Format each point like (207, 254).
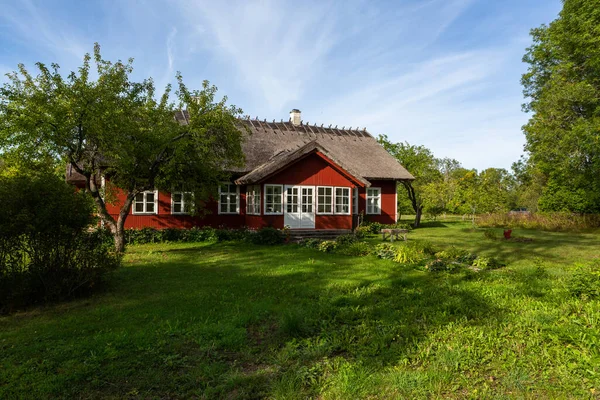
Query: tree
(46, 251)
(112, 126)
(562, 86)
(421, 163)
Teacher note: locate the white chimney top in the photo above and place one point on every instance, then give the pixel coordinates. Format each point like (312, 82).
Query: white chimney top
(295, 117)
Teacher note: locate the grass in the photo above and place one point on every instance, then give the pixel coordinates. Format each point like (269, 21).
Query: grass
(240, 321)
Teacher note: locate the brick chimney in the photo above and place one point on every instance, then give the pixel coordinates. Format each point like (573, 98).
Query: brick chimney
(295, 117)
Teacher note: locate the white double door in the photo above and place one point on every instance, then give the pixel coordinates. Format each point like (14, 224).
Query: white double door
(299, 207)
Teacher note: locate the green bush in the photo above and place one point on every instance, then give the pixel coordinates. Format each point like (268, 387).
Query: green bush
(327, 246)
(356, 249)
(487, 263)
(310, 243)
(585, 282)
(374, 227)
(385, 251)
(197, 234)
(362, 232)
(437, 265)
(346, 239)
(267, 236)
(455, 254)
(423, 246)
(46, 251)
(409, 254)
(440, 264)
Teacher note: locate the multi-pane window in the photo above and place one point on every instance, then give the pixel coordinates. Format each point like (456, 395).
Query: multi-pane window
(273, 199)
(229, 199)
(146, 202)
(342, 200)
(181, 203)
(355, 201)
(324, 200)
(253, 200)
(373, 201)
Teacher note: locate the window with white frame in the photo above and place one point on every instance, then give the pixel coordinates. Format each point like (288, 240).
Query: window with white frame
(355, 201)
(181, 202)
(229, 199)
(342, 200)
(146, 202)
(324, 200)
(273, 199)
(253, 200)
(373, 200)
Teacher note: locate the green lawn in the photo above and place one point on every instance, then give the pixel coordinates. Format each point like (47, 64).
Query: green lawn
(241, 321)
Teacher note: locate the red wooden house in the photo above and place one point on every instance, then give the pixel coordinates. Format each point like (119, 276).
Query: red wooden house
(302, 176)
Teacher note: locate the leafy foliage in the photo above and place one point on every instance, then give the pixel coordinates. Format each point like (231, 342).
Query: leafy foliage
(562, 85)
(343, 240)
(386, 251)
(585, 282)
(487, 263)
(327, 246)
(267, 236)
(46, 253)
(555, 221)
(116, 127)
(264, 236)
(355, 249)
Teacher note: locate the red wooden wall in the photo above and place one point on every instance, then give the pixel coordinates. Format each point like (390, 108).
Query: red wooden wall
(313, 170)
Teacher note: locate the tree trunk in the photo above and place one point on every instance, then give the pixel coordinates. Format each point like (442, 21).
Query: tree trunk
(119, 236)
(119, 233)
(116, 227)
(415, 203)
(418, 214)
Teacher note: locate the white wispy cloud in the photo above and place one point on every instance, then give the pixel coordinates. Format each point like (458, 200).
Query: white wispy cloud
(275, 47)
(38, 29)
(441, 73)
(170, 44)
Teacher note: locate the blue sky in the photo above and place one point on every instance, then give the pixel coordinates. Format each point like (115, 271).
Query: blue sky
(439, 73)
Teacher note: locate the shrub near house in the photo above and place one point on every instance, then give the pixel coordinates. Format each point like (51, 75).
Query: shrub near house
(46, 252)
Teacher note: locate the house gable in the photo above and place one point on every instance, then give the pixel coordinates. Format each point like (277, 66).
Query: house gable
(313, 169)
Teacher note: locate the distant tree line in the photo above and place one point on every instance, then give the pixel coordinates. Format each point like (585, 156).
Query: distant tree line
(561, 168)
(443, 185)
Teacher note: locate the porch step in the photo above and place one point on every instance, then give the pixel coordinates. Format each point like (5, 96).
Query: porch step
(326, 234)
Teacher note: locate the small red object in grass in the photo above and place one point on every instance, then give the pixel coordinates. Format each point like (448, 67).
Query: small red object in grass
(507, 233)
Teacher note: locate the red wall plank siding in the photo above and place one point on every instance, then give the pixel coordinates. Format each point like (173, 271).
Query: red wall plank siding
(388, 202)
(313, 170)
(164, 218)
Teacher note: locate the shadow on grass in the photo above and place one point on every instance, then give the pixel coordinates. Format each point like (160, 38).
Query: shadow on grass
(229, 320)
(257, 313)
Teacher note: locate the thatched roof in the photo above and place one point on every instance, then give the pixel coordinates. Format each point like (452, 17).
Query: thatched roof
(272, 144)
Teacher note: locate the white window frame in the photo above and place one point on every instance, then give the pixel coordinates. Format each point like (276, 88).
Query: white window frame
(335, 198)
(281, 197)
(145, 202)
(331, 204)
(355, 201)
(253, 193)
(183, 202)
(370, 210)
(237, 199)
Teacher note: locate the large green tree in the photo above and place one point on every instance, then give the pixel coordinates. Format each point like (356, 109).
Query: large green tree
(562, 86)
(421, 163)
(103, 123)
